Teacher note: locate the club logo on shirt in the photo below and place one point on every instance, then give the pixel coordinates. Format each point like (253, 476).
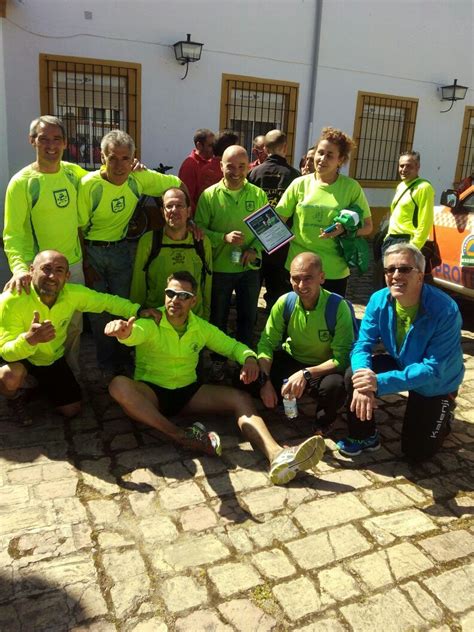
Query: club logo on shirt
(118, 205)
(324, 335)
(249, 206)
(194, 348)
(61, 198)
(177, 257)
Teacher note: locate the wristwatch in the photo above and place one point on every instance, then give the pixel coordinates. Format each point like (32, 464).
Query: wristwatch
(307, 375)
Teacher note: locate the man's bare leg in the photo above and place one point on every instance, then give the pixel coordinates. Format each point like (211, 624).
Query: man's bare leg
(12, 377)
(226, 400)
(285, 463)
(141, 404)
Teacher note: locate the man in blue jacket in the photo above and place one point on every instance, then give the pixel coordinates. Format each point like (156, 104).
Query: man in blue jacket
(420, 327)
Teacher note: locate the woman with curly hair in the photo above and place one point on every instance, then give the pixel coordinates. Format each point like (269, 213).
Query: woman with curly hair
(316, 199)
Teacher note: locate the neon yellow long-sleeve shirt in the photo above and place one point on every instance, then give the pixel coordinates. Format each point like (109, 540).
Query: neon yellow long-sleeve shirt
(166, 359)
(16, 315)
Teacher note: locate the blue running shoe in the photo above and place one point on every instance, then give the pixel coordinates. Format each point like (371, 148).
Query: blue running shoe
(353, 447)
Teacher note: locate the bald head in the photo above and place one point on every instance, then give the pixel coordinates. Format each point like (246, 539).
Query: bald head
(49, 273)
(306, 276)
(46, 255)
(235, 167)
(307, 259)
(235, 150)
(275, 142)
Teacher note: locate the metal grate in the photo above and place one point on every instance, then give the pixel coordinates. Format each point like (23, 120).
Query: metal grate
(251, 107)
(465, 166)
(91, 98)
(384, 127)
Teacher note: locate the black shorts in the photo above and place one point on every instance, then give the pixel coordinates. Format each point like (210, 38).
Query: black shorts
(173, 400)
(57, 381)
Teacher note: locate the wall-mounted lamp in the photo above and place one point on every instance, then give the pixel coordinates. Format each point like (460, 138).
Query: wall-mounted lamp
(453, 93)
(187, 51)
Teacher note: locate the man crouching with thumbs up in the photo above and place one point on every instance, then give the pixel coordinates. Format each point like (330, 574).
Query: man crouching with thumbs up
(33, 328)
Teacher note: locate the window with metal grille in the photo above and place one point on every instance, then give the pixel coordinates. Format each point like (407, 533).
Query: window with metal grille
(251, 106)
(92, 97)
(384, 127)
(465, 164)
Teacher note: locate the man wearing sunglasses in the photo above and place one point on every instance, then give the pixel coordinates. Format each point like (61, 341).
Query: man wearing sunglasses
(166, 384)
(420, 327)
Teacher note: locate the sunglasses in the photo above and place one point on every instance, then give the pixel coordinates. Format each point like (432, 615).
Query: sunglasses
(401, 269)
(182, 296)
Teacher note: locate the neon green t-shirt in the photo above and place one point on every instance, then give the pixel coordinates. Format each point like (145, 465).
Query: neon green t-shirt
(220, 211)
(402, 214)
(148, 288)
(314, 206)
(105, 209)
(404, 319)
(307, 338)
(41, 214)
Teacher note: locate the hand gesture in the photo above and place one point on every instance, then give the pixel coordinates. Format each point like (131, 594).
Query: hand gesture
(365, 380)
(248, 256)
(18, 282)
(138, 166)
(295, 385)
(40, 332)
(120, 329)
(236, 237)
(197, 232)
(151, 312)
(250, 371)
(363, 405)
(339, 230)
(268, 395)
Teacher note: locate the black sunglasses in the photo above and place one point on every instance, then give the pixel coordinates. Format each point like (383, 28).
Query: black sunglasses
(401, 269)
(183, 295)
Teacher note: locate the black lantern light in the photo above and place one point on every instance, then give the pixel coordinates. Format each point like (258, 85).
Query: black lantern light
(453, 93)
(187, 51)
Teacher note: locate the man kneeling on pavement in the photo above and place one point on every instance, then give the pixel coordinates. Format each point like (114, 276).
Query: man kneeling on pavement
(420, 327)
(33, 328)
(307, 340)
(166, 384)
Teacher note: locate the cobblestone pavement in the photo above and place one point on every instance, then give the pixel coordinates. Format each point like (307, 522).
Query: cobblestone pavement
(104, 527)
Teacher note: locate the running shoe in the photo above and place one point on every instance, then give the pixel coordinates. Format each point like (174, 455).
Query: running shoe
(196, 437)
(354, 447)
(290, 461)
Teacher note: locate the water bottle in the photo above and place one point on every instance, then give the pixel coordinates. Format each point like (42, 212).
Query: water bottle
(289, 404)
(236, 255)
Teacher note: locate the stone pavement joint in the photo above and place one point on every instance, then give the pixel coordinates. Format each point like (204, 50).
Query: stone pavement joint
(104, 527)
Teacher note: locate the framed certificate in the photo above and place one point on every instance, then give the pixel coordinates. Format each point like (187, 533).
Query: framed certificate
(268, 228)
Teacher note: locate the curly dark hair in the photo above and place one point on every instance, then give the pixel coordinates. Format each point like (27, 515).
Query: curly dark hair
(343, 141)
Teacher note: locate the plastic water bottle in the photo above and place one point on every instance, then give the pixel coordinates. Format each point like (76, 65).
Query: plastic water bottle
(289, 404)
(236, 255)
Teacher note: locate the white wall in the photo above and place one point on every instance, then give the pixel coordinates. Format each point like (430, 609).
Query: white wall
(143, 31)
(405, 48)
(389, 46)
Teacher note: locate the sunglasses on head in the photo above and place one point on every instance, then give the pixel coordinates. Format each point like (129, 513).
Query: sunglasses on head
(401, 269)
(183, 295)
